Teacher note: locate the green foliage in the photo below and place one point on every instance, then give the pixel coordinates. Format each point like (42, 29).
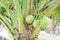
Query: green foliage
(20, 11)
(20, 21)
(44, 21)
(36, 31)
(50, 10)
(18, 15)
(25, 7)
(56, 14)
(42, 3)
(36, 25)
(42, 28)
(7, 24)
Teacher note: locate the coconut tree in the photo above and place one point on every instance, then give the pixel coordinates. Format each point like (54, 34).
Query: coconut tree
(23, 18)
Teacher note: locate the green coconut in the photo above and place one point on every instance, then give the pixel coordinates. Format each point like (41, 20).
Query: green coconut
(29, 19)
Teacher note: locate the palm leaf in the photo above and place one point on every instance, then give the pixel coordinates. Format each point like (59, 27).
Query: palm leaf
(20, 21)
(25, 7)
(3, 19)
(49, 10)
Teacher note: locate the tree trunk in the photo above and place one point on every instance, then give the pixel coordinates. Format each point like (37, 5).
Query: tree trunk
(24, 35)
(54, 26)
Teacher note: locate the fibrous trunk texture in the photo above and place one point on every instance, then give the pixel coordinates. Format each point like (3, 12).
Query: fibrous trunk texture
(24, 35)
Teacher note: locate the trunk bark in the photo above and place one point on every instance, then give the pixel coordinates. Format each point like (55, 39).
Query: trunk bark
(25, 35)
(54, 26)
